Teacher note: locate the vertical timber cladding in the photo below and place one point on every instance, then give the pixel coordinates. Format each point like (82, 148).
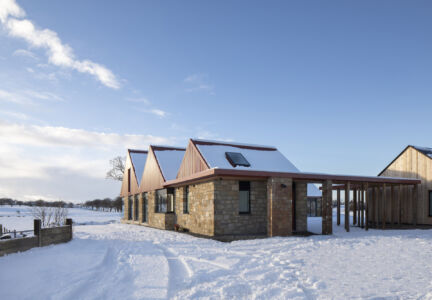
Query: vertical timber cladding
(279, 206)
(327, 207)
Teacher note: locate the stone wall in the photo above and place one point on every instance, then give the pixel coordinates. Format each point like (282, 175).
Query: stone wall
(279, 206)
(200, 218)
(43, 237)
(228, 221)
(301, 207)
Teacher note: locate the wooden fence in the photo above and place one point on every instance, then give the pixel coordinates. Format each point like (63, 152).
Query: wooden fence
(42, 237)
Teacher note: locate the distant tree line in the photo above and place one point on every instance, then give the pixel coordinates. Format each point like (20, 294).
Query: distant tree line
(106, 204)
(37, 203)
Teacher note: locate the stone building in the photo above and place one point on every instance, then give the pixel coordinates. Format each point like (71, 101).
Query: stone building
(230, 191)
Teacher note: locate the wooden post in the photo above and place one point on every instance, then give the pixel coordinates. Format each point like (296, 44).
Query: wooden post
(37, 231)
(367, 207)
(338, 206)
(377, 204)
(399, 205)
(362, 207)
(69, 223)
(347, 210)
(354, 206)
(1, 230)
(414, 204)
(392, 205)
(384, 206)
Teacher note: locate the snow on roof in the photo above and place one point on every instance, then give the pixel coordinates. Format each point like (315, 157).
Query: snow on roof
(259, 159)
(425, 150)
(313, 191)
(169, 160)
(198, 141)
(138, 159)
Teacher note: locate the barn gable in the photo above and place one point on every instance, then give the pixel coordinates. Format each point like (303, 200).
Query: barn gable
(134, 167)
(162, 164)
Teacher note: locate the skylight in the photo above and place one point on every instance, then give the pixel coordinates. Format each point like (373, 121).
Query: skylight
(236, 159)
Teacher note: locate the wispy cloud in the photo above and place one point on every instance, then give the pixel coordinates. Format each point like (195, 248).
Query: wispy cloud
(198, 82)
(59, 54)
(158, 112)
(27, 97)
(139, 100)
(25, 53)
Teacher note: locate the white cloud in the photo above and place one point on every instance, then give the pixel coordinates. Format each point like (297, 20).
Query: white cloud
(27, 97)
(26, 53)
(59, 54)
(10, 8)
(14, 114)
(139, 100)
(59, 162)
(158, 112)
(198, 82)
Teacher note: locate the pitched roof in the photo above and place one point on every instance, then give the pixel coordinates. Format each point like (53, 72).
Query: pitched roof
(138, 159)
(424, 150)
(168, 159)
(260, 158)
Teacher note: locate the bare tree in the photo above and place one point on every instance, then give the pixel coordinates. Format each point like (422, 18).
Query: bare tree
(50, 216)
(117, 168)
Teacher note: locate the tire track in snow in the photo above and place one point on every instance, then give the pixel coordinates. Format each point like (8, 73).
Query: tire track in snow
(179, 271)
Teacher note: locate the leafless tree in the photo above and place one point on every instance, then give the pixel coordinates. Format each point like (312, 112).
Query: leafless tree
(117, 168)
(50, 216)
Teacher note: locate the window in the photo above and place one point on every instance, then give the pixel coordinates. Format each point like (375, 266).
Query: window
(244, 197)
(136, 201)
(236, 159)
(170, 200)
(186, 200)
(128, 179)
(430, 203)
(165, 201)
(161, 201)
(129, 208)
(144, 208)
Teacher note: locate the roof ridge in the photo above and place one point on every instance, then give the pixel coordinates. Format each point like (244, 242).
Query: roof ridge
(233, 144)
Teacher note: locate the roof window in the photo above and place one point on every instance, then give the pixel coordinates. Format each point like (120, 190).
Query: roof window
(237, 159)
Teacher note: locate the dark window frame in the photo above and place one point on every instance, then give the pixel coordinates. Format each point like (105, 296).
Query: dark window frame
(186, 200)
(136, 206)
(129, 208)
(129, 180)
(144, 207)
(245, 186)
(430, 203)
(160, 202)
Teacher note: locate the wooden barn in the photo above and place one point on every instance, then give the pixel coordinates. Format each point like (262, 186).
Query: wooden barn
(412, 162)
(231, 191)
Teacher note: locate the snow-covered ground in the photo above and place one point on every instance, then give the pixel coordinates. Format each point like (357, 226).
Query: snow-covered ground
(20, 217)
(117, 261)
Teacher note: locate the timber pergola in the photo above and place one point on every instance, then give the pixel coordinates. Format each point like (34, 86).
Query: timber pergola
(367, 192)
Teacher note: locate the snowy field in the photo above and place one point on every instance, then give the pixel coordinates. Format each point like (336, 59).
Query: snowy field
(20, 217)
(117, 261)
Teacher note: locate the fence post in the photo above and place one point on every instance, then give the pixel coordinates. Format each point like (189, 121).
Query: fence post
(37, 230)
(69, 223)
(1, 229)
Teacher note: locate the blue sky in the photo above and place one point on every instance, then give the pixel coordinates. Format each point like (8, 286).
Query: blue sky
(338, 86)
